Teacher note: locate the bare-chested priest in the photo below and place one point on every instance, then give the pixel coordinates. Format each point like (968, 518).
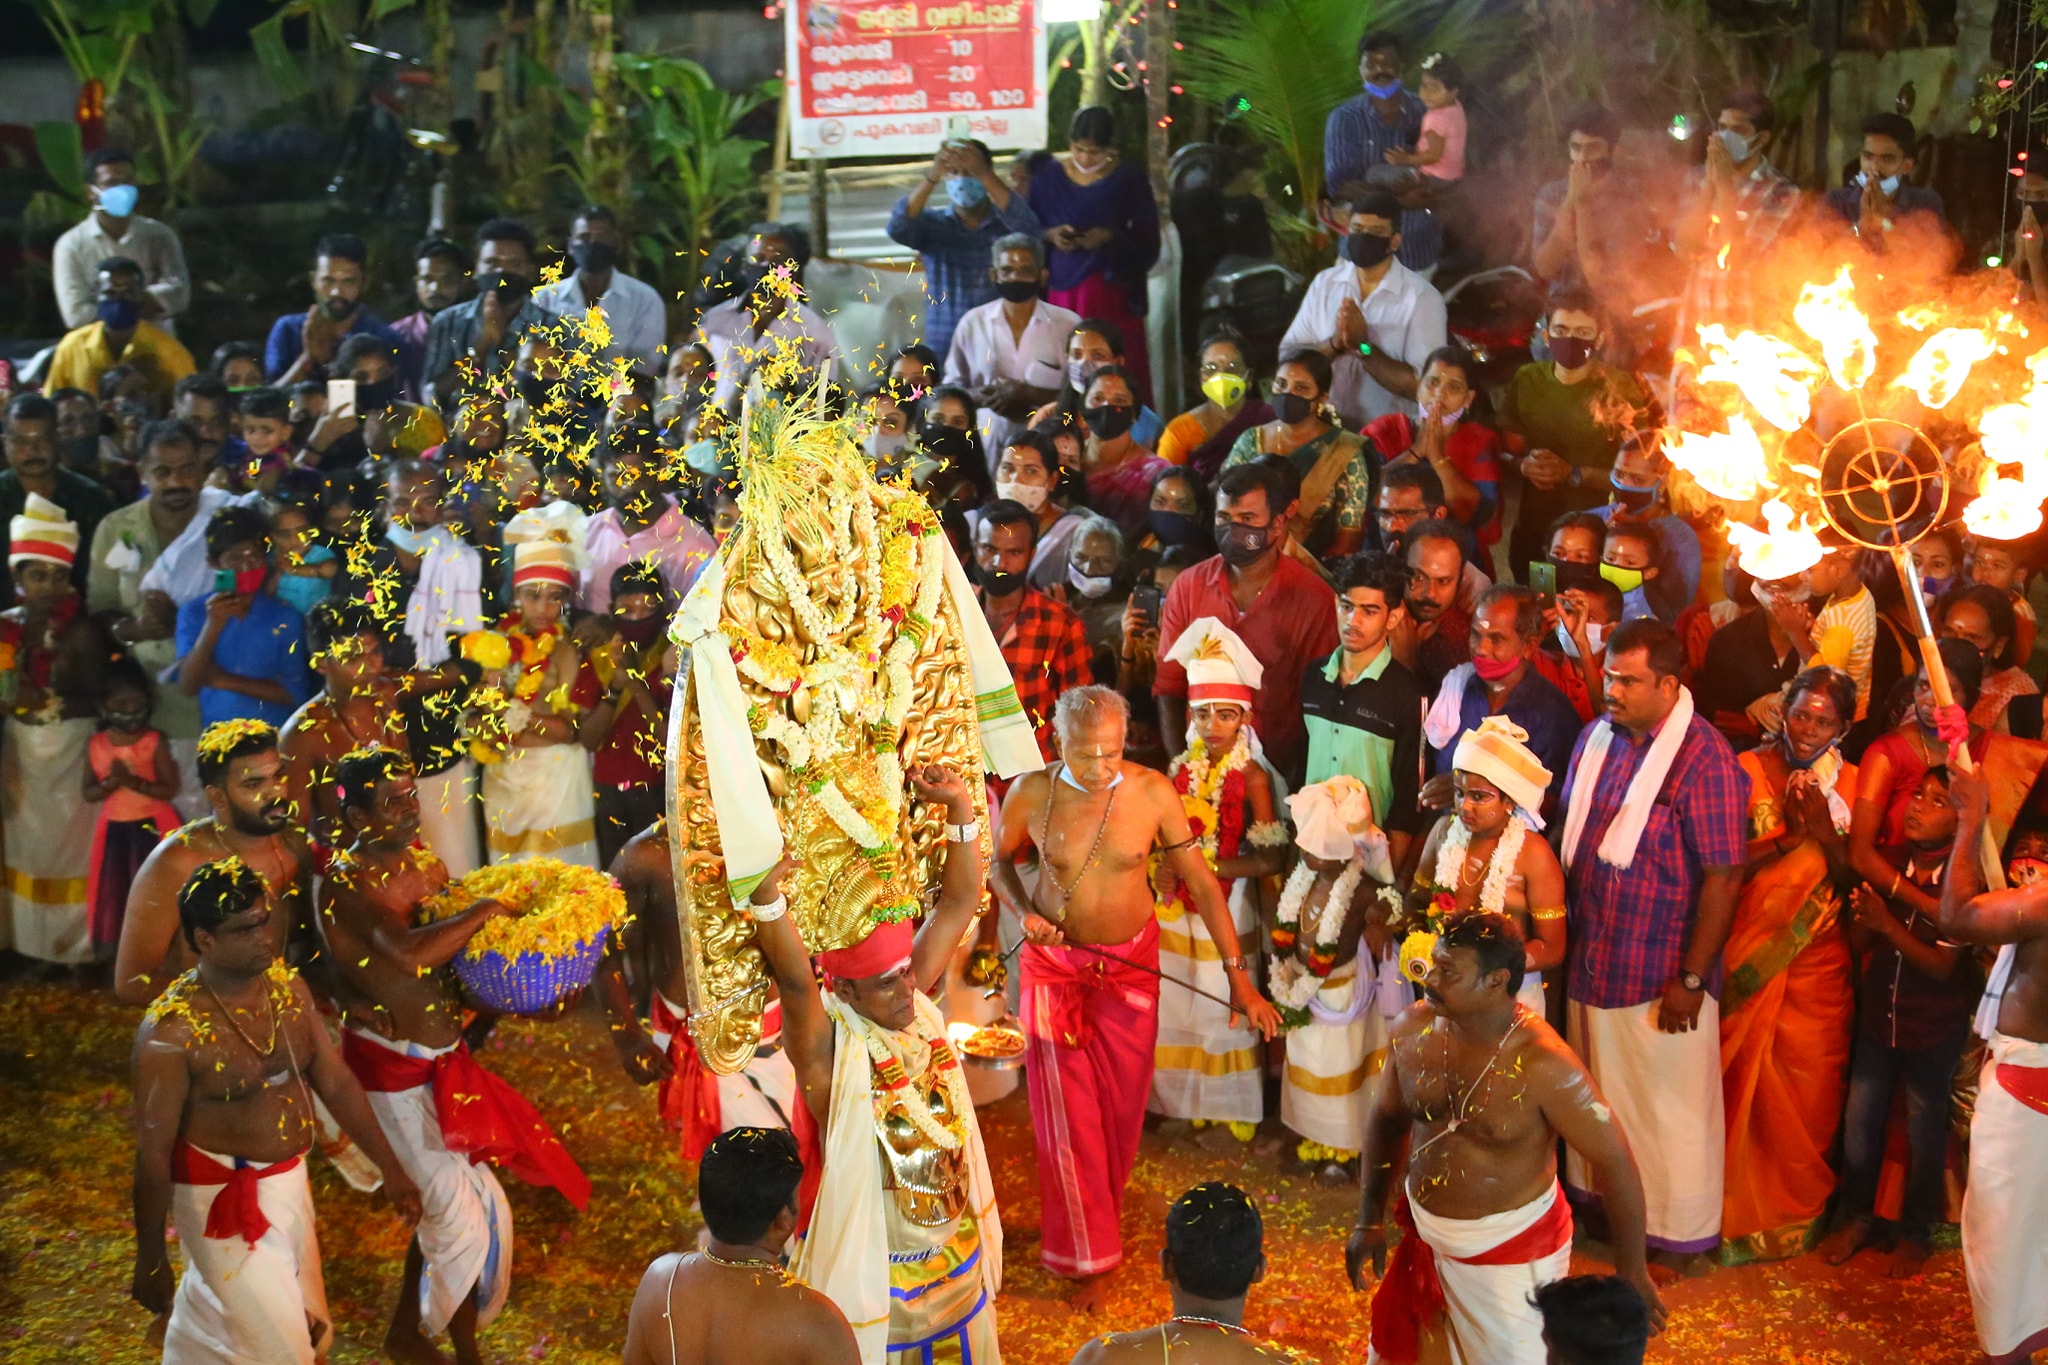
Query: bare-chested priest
(732, 1303)
(445, 1116)
(1091, 993)
(227, 1062)
(358, 707)
(904, 1236)
(1478, 1090)
(243, 778)
(2005, 1212)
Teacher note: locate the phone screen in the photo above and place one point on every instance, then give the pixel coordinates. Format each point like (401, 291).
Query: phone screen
(341, 398)
(1147, 599)
(1543, 578)
(959, 128)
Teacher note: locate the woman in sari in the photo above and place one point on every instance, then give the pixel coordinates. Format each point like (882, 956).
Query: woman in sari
(1338, 468)
(1117, 469)
(1788, 1001)
(1201, 437)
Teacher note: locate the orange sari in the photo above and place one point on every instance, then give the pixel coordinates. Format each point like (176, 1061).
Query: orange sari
(1787, 1008)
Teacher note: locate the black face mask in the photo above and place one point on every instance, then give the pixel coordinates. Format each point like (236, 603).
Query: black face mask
(1571, 352)
(996, 583)
(80, 452)
(1242, 545)
(533, 389)
(377, 396)
(1292, 407)
(949, 444)
(594, 257)
(302, 427)
(1173, 528)
(512, 289)
(1017, 291)
(1108, 423)
(1367, 249)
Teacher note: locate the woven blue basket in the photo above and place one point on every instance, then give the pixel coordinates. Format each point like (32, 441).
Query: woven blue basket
(529, 984)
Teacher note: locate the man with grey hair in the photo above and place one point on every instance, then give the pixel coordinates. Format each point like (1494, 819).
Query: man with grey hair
(1011, 352)
(1097, 588)
(1090, 963)
(953, 239)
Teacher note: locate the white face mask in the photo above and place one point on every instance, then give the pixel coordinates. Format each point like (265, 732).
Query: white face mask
(1089, 586)
(1596, 636)
(1735, 143)
(1031, 496)
(1889, 186)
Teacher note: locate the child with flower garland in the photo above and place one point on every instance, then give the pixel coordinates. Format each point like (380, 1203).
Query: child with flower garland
(1480, 854)
(1205, 1068)
(1332, 974)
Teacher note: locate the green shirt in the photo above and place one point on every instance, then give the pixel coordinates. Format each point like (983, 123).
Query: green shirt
(1370, 729)
(1583, 422)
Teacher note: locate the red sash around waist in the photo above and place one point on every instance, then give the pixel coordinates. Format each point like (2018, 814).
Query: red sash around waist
(1412, 1296)
(2027, 1084)
(481, 1115)
(689, 1096)
(237, 1210)
(1069, 977)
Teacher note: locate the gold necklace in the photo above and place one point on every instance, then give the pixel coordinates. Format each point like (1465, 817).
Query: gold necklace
(262, 1053)
(750, 1263)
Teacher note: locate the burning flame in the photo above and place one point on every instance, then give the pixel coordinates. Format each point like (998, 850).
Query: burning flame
(1721, 258)
(1828, 313)
(1729, 465)
(1782, 550)
(1919, 317)
(2005, 509)
(1776, 377)
(1941, 365)
(959, 1031)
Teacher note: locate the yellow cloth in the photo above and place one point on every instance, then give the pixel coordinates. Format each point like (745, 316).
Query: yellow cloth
(1845, 637)
(1180, 438)
(83, 356)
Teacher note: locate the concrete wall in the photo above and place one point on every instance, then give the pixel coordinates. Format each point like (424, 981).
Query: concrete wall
(738, 47)
(1945, 80)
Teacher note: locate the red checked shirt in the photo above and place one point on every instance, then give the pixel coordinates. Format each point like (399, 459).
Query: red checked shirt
(1046, 647)
(1291, 626)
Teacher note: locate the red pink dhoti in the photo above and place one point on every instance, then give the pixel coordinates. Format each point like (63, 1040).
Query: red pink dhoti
(2005, 1254)
(700, 1104)
(1091, 1019)
(1466, 1282)
(252, 1293)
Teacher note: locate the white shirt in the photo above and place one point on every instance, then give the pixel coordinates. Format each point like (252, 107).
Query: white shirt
(1404, 320)
(75, 266)
(985, 350)
(727, 332)
(631, 308)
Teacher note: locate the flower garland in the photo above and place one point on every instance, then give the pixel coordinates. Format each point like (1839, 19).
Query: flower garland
(893, 1089)
(530, 655)
(1213, 795)
(1294, 984)
(176, 1001)
(1507, 854)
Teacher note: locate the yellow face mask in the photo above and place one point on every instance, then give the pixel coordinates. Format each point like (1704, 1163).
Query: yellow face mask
(1628, 580)
(1225, 390)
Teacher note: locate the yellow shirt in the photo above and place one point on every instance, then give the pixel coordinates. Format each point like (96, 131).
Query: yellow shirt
(83, 356)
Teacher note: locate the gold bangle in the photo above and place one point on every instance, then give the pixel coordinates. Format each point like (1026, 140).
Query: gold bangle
(1548, 912)
(1896, 878)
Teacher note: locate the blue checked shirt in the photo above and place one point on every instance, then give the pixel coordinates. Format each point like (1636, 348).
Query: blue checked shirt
(956, 258)
(1627, 928)
(1355, 139)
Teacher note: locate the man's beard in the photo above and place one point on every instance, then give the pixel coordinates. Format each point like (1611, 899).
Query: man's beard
(1425, 610)
(267, 819)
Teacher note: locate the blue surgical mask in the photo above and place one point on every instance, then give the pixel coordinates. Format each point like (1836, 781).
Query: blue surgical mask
(966, 191)
(1384, 92)
(1935, 587)
(1889, 186)
(118, 201)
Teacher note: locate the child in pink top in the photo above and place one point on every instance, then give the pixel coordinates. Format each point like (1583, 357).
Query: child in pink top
(1440, 151)
(130, 775)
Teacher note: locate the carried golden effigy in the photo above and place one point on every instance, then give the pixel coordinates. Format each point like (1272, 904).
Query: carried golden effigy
(832, 646)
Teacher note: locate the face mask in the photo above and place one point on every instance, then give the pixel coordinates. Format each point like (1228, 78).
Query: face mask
(639, 633)
(1450, 419)
(1029, 496)
(1367, 249)
(594, 257)
(942, 442)
(1292, 407)
(1079, 372)
(118, 201)
(1493, 670)
(1793, 759)
(1888, 187)
(1224, 390)
(1242, 545)
(379, 395)
(1580, 576)
(124, 720)
(1628, 580)
(966, 191)
(1173, 528)
(1635, 497)
(1089, 586)
(1386, 91)
(244, 582)
(884, 443)
(1736, 145)
(1017, 291)
(1935, 587)
(996, 583)
(1596, 635)
(1108, 423)
(80, 452)
(512, 289)
(1571, 352)
(120, 314)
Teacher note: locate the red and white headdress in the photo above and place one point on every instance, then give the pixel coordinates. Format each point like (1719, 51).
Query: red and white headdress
(547, 545)
(43, 531)
(1220, 666)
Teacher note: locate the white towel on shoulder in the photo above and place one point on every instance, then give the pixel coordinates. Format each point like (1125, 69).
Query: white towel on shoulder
(1625, 831)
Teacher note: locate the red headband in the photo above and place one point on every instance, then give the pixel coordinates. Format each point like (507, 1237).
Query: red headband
(1218, 691)
(545, 573)
(883, 950)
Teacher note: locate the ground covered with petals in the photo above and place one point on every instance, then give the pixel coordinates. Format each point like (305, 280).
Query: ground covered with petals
(66, 1249)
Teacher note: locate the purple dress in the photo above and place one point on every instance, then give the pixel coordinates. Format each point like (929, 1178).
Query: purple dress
(1106, 282)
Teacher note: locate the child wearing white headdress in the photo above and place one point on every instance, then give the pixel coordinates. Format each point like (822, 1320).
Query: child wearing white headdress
(1333, 975)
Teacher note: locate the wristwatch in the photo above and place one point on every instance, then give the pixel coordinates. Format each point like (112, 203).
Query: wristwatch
(1692, 981)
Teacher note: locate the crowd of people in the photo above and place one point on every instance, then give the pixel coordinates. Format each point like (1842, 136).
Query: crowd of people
(1429, 782)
